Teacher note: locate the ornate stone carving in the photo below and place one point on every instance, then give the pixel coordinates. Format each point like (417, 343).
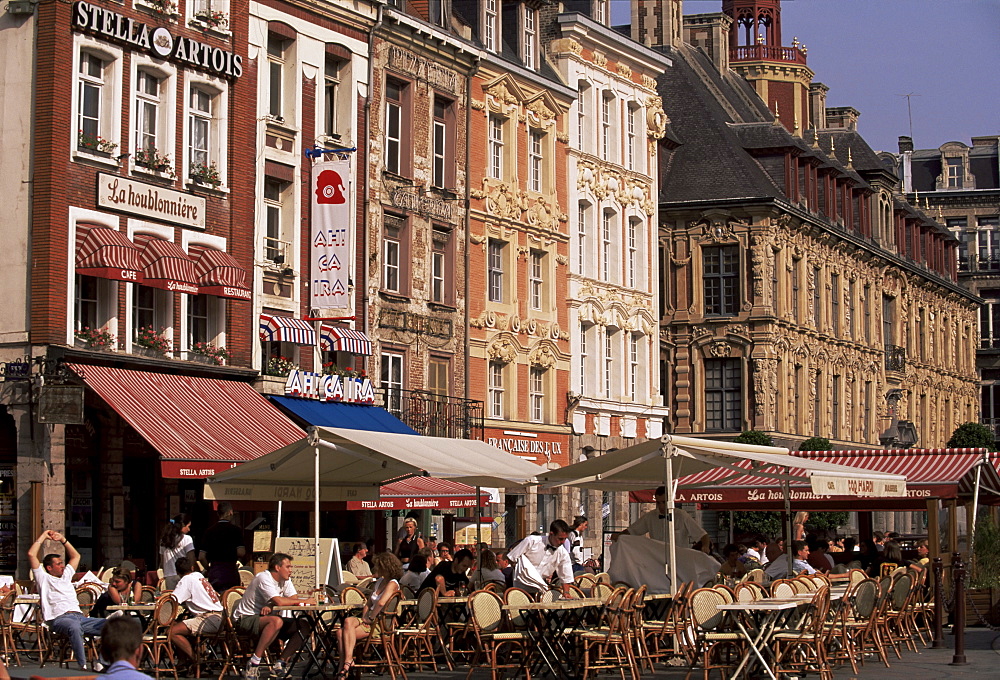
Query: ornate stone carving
(564, 45)
(720, 349)
(542, 356)
(599, 59)
(562, 137)
(763, 269)
(624, 70)
(562, 259)
(656, 118)
(765, 386)
(648, 82)
(478, 239)
(541, 111)
(486, 319)
(717, 227)
(543, 214)
(502, 350)
(478, 105)
(501, 201)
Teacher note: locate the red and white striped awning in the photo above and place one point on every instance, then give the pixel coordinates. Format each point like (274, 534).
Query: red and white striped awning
(286, 329)
(219, 274)
(930, 473)
(423, 492)
(337, 339)
(165, 265)
(107, 254)
(196, 424)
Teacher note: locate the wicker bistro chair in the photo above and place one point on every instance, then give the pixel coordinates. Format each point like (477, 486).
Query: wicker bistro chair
(378, 652)
(783, 588)
(711, 632)
(486, 626)
(236, 647)
(419, 637)
(516, 596)
(352, 595)
(148, 595)
(30, 635)
(634, 628)
(608, 647)
(852, 623)
(662, 635)
(601, 590)
(156, 642)
(755, 576)
(796, 651)
(59, 645)
(8, 647)
(898, 615)
(749, 591)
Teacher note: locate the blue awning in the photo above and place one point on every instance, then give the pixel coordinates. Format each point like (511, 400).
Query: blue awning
(307, 412)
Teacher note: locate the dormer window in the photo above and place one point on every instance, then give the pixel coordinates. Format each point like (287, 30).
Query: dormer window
(491, 25)
(530, 38)
(601, 11)
(956, 172)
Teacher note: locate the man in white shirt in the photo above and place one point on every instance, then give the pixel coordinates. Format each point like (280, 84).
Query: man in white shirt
(537, 558)
(357, 565)
(200, 599)
(687, 532)
(253, 616)
(575, 542)
(758, 550)
(57, 594)
(778, 568)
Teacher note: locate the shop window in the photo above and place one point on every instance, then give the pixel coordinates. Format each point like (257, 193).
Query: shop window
(277, 213)
(536, 394)
(723, 395)
(392, 381)
(720, 276)
(442, 266)
(496, 390)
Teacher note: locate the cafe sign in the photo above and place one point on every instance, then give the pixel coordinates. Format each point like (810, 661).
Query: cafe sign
(153, 202)
(309, 385)
(157, 41)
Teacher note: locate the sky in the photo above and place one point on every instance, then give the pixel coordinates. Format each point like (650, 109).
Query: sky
(869, 52)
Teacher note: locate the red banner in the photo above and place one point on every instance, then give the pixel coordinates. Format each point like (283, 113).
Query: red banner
(187, 469)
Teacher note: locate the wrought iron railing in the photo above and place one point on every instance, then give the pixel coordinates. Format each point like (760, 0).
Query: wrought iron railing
(993, 424)
(436, 415)
(768, 53)
(895, 358)
(977, 263)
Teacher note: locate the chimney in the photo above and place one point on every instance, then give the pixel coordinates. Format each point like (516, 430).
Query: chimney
(845, 117)
(905, 144)
(986, 140)
(710, 33)
(657, 23)
(817, 105)
(906, 166)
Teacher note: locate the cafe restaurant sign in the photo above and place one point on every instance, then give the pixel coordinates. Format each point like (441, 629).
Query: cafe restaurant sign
(157, 41)
(150, 201)
(309, 385)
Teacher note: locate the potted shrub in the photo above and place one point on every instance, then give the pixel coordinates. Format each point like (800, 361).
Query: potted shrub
(210, 18)
(164, 7)
(151, 159)
(150, 343)
(278, 366)
(330, 368)
(983, 584)
(205, 174)
(208, 353)
(95, 144)
(95, 338)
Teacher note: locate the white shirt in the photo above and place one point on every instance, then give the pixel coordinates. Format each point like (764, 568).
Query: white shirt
(547, 561)
(56, 595)
(413, 579)
(575, 546)
(779, 567)
(261, 589)
(686, 530)
(169, 556)
(197, 594)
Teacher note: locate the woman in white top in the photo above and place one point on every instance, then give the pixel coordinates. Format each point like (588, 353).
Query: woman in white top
(175, 542)
(388, 570)
(416, 571)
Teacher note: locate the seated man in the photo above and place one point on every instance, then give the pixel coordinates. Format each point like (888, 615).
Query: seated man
(448, 577)
(819, 557)
(687, 532)
(778, 567)
(121, 645)
(200, 599)
(57, 594)
(357, 565)
(253, 614)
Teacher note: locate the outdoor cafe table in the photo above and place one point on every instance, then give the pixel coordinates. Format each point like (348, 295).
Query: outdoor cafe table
(141, 608)
(656, 605)
(320, 628)
(547, 626)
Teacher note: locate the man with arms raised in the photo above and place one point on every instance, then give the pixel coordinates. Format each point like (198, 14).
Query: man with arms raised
(57, 594)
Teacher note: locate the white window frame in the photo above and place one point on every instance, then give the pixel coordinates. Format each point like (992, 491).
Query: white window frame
(277, 101)
(495, 390)
(394, 137)
(147, 105)
(631, 150)
(581, 116)
(107, 310)
(163, 301)
(632, 251)
(584, 356)
(393, 385)
(166, 108)
(276, 215)
(439, 143)
(530, 37)
(601, 11)
(609, 360)
(607, 228)
(392, 264)
(536, 281)
(633, 363)
(536, 394)
(536, 159)
(217, 89)
(495, 252)
(582, 213)
(110, 114)
(491, 25)
(332, 78)
(607, 121)
(495, 146)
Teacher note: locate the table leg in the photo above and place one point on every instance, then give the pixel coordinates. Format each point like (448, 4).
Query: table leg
(763, 636)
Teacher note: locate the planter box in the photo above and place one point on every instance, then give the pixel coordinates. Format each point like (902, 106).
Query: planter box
(983, 602)
(201, 358)
(147, 352)
(83, 344)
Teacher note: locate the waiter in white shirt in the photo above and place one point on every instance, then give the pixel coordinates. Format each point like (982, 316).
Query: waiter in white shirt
(537, 558)
(687, 532)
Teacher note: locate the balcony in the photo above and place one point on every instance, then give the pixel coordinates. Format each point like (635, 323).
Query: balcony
(895, 358)
(793, 55)
(993, 424)
(979, 263)
(435, 415)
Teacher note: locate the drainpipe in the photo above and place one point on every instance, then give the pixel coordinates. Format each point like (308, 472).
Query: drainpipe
(468, 211)
(366, 212)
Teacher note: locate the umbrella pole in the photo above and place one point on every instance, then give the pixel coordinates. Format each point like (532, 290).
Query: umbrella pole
(788, 521)
(479, 534)
(669, 490)
(277, 532)
(975, 505)
(316, 509)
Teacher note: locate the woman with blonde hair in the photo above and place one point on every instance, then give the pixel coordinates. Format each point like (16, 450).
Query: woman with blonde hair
(411, 541)
(388, 570)
(799, 526)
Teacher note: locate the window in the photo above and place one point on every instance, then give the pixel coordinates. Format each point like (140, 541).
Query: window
(535, 140)
(392, 255)
(331, 88)
(606, 118)
(581, 237)
(633, 366)
(442, 281)
(606, 254)
(197, 319)
(441, 176)
(958, 226)
(394, 92)
(867, 406)
(581, 117)
(495, 144)
(867, 304)
(147, 108)
(989, 320)
(956, 172)
(536, 394)
(817, 299)
(91, 95)
(276, 55)
(438, 380)
(888, 317)
(835, 303)
(631, 252)
(610, 338)
(276, 248)
(151, 308)
(796, 292)
(721, 280)
(392, 381)
(584, 356)
(494, 267)
(835, 386)
(86, 303)
(723, 396)
(530, 36)
(496, 390)
(601, 11)
(491, 25)
(535, 281)
(630, 139)
(200, 126)
(852, 327)
(989, 243)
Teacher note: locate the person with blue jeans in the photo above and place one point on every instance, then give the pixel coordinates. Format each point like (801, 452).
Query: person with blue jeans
(57, 594)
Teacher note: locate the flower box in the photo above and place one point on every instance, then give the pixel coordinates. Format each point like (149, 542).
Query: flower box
(148, 352)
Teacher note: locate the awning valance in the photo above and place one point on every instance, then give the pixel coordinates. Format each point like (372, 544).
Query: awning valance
(108, 254)
(336, 339)
(420, 493)
(198, 425)
(338, 414)
(286, 329)
(165, 265)
(219, 274)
